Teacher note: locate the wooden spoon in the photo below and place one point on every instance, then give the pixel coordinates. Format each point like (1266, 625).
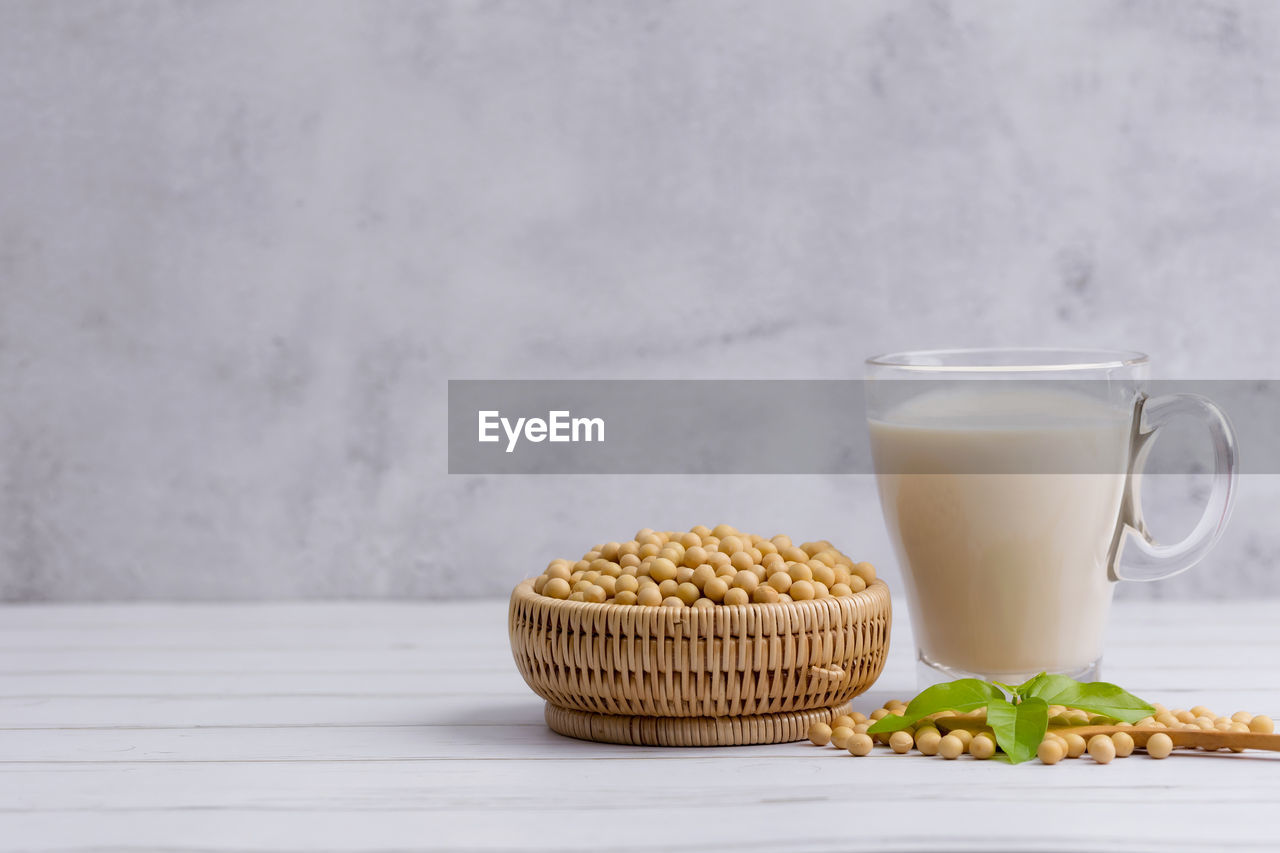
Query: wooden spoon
(1180, 737)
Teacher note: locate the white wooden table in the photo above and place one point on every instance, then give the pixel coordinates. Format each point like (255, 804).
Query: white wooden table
(393, 727)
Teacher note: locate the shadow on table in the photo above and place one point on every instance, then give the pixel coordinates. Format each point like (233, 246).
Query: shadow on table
(1251, 755)
(493, 712)
(526, 711)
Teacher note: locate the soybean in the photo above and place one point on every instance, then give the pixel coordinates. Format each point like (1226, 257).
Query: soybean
(649, 597)
(1102, 749)
(927, 740)
(901, 742)
(662, 569)
(802, 590)
(820, 733)
(716, 589)
(700, 567)
(557, 587)
(1051, 751)
(1159, 745)
(860, 744)
(950, 747)
(982, 747)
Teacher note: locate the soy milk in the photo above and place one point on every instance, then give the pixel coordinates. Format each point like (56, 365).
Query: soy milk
(995, 500)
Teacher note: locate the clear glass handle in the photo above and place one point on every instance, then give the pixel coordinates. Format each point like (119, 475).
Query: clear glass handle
(1138, 557)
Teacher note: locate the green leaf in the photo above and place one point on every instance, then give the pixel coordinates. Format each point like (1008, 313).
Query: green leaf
(891, 723)
(1019, 728)
(1026, 687)
(966, 694)
(1008, 688)
(1047, 686)
(1100, 697)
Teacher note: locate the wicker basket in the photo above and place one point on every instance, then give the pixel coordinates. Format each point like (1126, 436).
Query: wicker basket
(751, 673)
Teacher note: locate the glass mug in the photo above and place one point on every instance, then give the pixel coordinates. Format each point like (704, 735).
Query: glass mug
(1010, 484)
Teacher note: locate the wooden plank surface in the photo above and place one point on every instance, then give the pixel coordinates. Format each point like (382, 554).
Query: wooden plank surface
(389, 727)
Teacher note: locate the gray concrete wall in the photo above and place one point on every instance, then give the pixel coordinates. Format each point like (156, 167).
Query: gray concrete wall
(244, 245)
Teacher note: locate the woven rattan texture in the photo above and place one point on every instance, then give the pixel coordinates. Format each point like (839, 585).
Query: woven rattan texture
(727, 661)
(689, 731)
